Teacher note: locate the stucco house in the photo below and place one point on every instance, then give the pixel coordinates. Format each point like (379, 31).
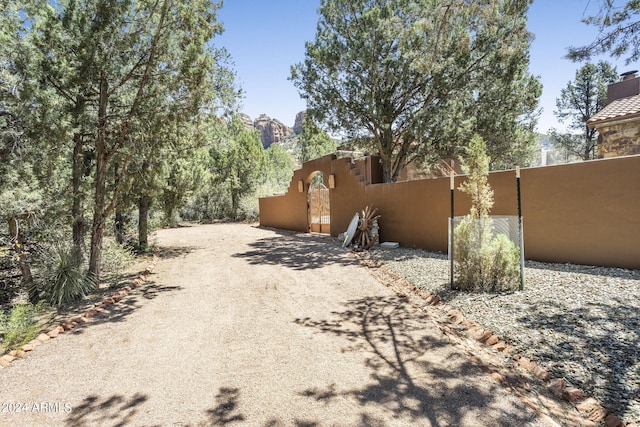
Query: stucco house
(619, 122)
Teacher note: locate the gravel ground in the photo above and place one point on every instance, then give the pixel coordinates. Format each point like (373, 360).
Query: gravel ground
(581, 323)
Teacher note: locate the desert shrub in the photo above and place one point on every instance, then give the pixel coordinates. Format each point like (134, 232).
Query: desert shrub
(20, 325)
(63, 278)
(116, 257)
(248, 209)
(484, 261)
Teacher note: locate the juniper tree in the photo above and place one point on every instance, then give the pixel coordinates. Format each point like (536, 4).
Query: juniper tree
(113, 66)
(314, 142)
(417, 78)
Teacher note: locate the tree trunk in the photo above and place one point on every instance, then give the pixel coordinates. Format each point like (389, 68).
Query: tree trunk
(119, 226)
(119, 220)
(21, 254)
(144, 203)
(234, 202)
(99, 209)
(79, 226)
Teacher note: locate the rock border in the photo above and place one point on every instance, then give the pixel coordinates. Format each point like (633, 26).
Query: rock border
(98, 309)
(586, 411)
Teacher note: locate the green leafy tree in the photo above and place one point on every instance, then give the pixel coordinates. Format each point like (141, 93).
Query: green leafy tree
(114, 65)
(412, 77)
(578, 102)
(618, 32)
(279, 167)
(314, 142)
(20, 192)
(238, 164)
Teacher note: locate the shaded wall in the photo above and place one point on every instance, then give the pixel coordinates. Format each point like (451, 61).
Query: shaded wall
(582, 213)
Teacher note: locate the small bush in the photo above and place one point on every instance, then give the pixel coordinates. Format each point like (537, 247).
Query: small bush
(20, 325)
(116, 257)
(248, 209)
(484, 261)
(64, 279)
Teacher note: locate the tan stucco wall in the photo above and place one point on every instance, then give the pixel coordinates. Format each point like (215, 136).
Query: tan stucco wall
(583, 213)
(621, 139)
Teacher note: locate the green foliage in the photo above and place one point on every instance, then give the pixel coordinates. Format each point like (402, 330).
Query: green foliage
(237, 164)
(476, 166)
(116, 257)
(248, 209)
(107, 102)
(279, 167)
(484, 261)
(63, 279)
(20, 325)
(578, 102)
(416, 79)
(184, 177)
(618, 32)
(125, 82)
(314, 142)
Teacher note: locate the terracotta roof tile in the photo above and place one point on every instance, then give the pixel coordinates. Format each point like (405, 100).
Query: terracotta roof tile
(618, 109)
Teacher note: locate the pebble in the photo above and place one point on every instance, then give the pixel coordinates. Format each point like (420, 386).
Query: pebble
(581, 323)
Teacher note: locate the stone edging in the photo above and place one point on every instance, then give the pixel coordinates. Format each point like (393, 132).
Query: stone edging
(589, 412)
(68, 324)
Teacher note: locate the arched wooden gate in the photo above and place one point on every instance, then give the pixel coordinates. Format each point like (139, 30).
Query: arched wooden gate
(319, 208)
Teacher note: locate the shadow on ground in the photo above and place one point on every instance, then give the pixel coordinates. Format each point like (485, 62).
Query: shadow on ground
(298, 251)
(168, 252)
(226, 409)
(127, 305)
(116, 410)
(415, 373)
(611, 355)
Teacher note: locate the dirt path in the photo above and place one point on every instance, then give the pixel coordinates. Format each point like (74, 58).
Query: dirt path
(245, 326)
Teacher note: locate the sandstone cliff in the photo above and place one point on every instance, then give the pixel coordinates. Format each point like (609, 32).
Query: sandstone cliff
(271, 130)
(246, 120)
(297, 127)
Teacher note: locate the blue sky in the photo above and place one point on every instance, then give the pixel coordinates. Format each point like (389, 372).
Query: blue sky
(265, 38)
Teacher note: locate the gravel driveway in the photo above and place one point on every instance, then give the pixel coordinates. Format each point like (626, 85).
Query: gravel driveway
(240, 325)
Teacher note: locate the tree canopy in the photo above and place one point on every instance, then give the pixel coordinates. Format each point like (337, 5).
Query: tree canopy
(618, 32)
(578, 102)
(314, 142)
(120, 71)
(97, 99)
(417, 78)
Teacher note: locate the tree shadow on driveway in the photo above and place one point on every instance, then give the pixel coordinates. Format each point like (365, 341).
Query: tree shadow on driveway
(116, 410)
(118, 312)
(415, 373)
(226, 409)
(298, 252)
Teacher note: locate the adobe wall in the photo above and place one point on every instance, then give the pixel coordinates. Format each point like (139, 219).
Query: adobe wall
(582, 213)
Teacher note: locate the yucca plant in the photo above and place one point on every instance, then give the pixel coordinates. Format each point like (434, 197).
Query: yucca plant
(65, 281)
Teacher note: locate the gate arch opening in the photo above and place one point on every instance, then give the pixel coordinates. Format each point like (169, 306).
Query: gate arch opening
(318, 203)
